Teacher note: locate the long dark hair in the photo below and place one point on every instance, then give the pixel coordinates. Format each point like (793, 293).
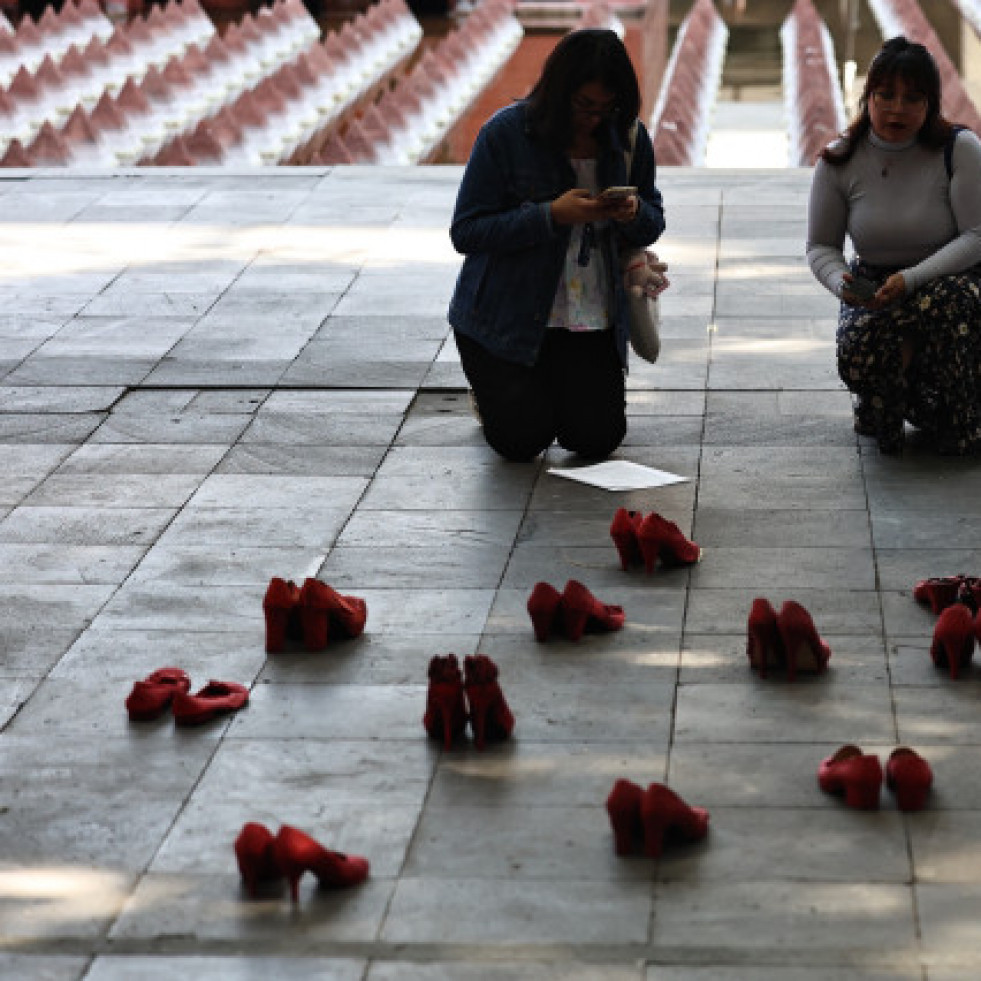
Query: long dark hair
(915, 67)
(581, 57)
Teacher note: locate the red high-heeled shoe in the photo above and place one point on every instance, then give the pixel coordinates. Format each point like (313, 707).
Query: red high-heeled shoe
(281, 608)
(446, 711)
(803, 647)
(623, 807)
(296, 852)
(152, 696)
(663, 540)
(664, 813)
(624, 530)
(953, 639)
(764, 648)
(216, 698)
(855, 774)
(324, 612)
(582, 611)
(256, 857)
(545, 610)
(490, 716)
(909, 777)
(942, 591)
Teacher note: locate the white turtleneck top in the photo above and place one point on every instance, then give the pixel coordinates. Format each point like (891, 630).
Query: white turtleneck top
(898, 207)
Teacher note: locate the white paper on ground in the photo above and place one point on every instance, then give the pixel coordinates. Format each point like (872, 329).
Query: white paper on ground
(619, 475)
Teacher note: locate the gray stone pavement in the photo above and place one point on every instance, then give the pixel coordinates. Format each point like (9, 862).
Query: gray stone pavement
(209, 379)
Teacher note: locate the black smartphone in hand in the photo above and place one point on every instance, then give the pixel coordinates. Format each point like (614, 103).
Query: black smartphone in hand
(862, 288)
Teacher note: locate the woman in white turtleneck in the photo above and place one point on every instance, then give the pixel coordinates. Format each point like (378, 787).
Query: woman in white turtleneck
(905, 186)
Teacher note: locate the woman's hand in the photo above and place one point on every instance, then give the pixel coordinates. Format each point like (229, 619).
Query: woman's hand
(622, 209)
(576, 207)
(890, 292)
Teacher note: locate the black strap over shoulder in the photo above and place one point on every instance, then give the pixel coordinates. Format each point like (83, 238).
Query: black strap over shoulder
(949, 149)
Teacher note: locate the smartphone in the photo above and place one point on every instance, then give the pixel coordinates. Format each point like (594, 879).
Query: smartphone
(861, 287)
(617, 193)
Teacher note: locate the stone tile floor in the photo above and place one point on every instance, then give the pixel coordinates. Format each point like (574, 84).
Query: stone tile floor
(210, 379)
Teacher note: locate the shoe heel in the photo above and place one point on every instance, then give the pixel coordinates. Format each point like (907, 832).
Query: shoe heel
(862, 795)
(911, 798)
(543, 608)
(953, 639)
(623, 531)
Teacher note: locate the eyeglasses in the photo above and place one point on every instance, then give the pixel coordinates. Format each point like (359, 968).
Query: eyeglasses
(895, 100)
(586, 108)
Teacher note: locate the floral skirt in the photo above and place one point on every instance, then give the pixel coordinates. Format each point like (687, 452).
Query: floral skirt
(939, 391)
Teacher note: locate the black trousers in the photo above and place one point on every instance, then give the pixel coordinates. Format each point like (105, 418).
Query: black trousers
(574, 394)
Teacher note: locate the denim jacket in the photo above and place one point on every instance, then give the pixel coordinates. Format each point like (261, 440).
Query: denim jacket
(515, 254)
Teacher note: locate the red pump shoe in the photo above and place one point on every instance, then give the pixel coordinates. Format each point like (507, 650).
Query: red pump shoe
(663, 540)
(854, 774)
(216, 698)
(624, 530)
(281, 608)
(623, 808)
(490, 716)
(296, 852)
(446, 711)
(152, 696)
(909, 777)
(665, 815)
(582, 612)
(953, 639)
(764, 646)
(324, 613)
(256, 857)
(803, 647)
(943, 591)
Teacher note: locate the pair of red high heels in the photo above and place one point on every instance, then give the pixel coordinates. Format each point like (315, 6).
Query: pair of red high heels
(858, 777)
(943, 591)
(650, 540)
(643, 819)
(572, 612)
(953, 638)
(170, 688)
(454, 699)
(264, 859)
(787, 639)
(313, 614)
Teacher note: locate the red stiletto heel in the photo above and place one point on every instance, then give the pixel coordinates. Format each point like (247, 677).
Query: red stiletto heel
(446, 712)
(152, 696)
(216, 698)
(255, 853)
(803, 647)
(624, 530)
(281, 608)
(490, 716)
(664, 813)
(942, 591)
(662, 539)
(853, 773)
(623, 807)
(909, 777)
(764, 648)
(582, 611)
(544, 608)
(953, 639)
(296, 852)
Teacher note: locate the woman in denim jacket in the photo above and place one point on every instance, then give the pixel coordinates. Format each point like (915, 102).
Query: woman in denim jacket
(539, 311)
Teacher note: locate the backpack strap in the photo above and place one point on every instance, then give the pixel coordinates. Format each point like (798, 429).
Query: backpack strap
(949, 149)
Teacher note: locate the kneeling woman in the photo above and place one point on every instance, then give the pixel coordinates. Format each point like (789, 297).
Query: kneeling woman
(905, 185)
(539, 311)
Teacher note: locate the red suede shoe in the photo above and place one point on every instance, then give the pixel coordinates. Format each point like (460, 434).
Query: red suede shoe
(909, 777)
(490, 716)
(663, 540)
(281, 607)
(296, 852)
(152, 696)
(953, 639)
(216, 698)
(764, 647)
(623, 807)
(664, 814)
(545, 610)
(942, 591)
(582, 612)
(624, 531)
(446, 711)
(853, 773)
(256, 857)
(325, 613)
(803, 647)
